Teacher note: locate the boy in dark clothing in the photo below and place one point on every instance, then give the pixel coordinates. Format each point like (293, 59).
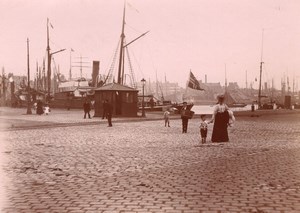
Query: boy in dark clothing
(104, 109)
(184, 117)
(87, 109)
(107, 112)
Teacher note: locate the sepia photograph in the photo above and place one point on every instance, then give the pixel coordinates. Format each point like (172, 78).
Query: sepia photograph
(159, 106)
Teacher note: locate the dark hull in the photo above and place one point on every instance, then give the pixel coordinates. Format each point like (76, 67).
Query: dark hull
(179, 106)
(237, 105)
(296, 106)
(161, 108)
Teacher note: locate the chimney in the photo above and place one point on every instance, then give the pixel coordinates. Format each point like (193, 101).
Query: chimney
(205, 78)
(95, 73)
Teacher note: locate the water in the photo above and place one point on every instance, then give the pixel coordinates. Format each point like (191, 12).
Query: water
(208, 109)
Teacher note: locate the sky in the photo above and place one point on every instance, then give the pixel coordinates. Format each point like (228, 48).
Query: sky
(207, 37)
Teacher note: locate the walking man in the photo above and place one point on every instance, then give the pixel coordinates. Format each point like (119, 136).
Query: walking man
(107, 112)
(87, 109)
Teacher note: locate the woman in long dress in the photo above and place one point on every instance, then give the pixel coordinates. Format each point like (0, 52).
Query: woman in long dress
(39, 107)
(220, 118)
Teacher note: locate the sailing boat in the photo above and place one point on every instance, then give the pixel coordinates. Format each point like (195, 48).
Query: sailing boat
(231, 102)
(154, 104)
(260, 105)
(194, 84)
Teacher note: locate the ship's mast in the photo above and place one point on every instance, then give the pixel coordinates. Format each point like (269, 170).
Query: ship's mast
(261, 63)
(48, 61)
(246, 80)
(121, 61)
(225, 79)
(49, 56)
(29, 112)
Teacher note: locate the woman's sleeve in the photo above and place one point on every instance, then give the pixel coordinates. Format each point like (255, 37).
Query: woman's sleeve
(214, 114)
(226, 107)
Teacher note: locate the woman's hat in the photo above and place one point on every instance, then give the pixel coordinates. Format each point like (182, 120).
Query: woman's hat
(221, 96)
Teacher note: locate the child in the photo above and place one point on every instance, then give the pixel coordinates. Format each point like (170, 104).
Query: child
(203, 129)
(46, 109)
(166, 117)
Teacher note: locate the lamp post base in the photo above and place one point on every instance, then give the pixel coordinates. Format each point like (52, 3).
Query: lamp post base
(28, 106)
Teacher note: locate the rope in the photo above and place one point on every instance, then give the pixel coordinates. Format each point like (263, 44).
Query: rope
(133, 80)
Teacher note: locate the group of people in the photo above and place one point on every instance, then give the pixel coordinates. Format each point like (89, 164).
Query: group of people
(107, 111)
(222, 117)
(41, 108)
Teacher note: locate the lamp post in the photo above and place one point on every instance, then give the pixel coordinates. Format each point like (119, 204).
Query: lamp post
(143, 107)
(28, 82)
(12, 91)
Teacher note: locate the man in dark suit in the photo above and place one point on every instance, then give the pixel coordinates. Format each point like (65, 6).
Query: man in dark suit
(185, 113)
(107, 111)
(104, 109)
(87, 109)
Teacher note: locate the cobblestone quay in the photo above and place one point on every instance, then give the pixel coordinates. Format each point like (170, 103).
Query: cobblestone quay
(146, 167)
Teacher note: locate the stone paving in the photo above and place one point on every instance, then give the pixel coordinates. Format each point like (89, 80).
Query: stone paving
(16, 118)
(146, 167)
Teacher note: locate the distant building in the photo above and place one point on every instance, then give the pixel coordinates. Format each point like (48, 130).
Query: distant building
(233, 86)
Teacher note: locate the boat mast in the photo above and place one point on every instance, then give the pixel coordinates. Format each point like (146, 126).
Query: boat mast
(225, 79)
(246, 80)
(261, 63)
(120, 76)
(29, 112)
(48, 61)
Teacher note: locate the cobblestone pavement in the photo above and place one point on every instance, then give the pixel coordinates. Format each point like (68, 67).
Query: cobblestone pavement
(16, 118)
(146, 167)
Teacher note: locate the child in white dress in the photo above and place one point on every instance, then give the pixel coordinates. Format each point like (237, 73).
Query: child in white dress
(47, 109)
(203, 129)
(167, 118)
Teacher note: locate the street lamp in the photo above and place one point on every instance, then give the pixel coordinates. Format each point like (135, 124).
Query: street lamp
(12, 91)
(143, 107)
(28, 82)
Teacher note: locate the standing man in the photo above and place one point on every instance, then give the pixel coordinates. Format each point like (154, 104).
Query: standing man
(104, 109)
(185, 113)
(107, 112)
(151, 102)
(87, 109)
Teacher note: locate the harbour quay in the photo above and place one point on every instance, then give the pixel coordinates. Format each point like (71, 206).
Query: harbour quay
(64, 163)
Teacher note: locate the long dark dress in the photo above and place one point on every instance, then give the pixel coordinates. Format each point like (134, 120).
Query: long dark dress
(39, 108)
(220, 133)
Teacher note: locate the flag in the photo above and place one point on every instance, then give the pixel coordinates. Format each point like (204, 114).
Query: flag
(194, 83)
